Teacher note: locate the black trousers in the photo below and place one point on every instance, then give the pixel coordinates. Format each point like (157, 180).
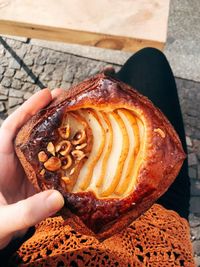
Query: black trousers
(148, 71)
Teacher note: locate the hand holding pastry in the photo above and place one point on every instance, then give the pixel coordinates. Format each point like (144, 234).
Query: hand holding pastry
(20, 206)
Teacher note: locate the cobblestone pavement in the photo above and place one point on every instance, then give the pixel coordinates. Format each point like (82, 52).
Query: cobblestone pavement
(25, 69)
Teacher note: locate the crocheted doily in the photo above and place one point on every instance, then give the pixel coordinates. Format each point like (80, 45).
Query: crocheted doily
(158, 238)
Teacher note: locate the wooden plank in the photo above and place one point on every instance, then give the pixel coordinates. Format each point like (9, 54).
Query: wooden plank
(124, 25)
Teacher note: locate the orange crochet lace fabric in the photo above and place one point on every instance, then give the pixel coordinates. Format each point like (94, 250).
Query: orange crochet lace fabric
(158, 238)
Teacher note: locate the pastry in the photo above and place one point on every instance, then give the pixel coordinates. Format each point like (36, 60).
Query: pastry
(106, 148)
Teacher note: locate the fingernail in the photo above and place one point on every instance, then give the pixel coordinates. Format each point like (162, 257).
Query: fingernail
(55, 202)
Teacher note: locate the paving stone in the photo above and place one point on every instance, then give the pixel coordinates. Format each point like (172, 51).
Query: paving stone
(12, 101)
(2, 107)
(194, 205)
(21, 52)
(52, 84)
(31, 79)
(197, 261)
(190, 149)
(9, 73)
(65, 85)
(193, 112)
(6, 82)
(13, 43)
(47, 74)
(194, 220)
(36, 89)
(198, 124)
(37, 69)
(7, 54)
(192, 159)
(195, 187)
(4, 62)
(82, 72)
(198, 171)
(197, 147)
(20, 75)
(196, 247)
(28, 60)
(52, 58)
(35, 50)
(3, 91)
(15, 93)
(192, 172)
(28, 87)
(2, 70)
(58, 74)
(27, 95)
(3, 97)
(15, 64)
(17, 84)
(69, 73)
(41, 60)
(197, 133)
(49, 68)
(191, 120)
(2, 51)
(195, 233)
(188, 130)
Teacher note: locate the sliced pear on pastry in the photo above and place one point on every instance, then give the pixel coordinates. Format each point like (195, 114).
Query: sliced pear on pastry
(106, 148)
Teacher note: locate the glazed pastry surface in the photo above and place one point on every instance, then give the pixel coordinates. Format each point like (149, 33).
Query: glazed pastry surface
(106, 148)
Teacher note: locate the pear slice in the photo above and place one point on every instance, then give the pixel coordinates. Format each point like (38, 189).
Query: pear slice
(130, 121)
(98, 132)
(119, 130)
(106, 153)
(139, 157)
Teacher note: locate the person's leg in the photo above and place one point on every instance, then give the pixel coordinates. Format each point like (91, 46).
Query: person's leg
(148, 71)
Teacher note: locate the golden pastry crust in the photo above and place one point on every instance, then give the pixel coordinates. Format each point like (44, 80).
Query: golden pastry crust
(158, 161)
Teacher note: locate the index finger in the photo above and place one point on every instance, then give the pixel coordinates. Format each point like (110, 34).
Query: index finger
(17, 119)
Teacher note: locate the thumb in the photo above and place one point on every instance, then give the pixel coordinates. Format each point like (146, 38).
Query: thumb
(28, 212)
